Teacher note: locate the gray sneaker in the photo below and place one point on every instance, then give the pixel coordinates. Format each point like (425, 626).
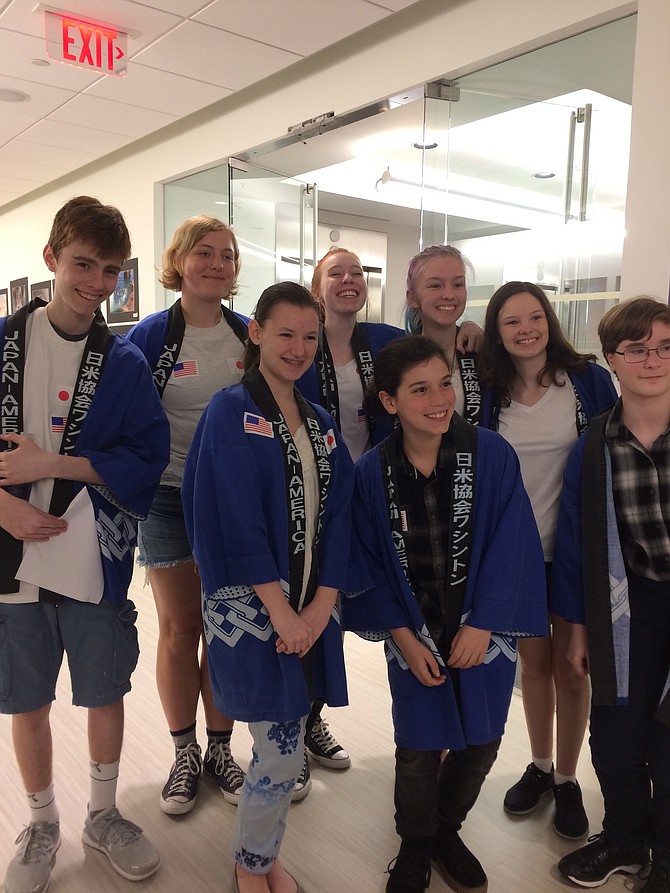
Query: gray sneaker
(30, 869)
(123, 843)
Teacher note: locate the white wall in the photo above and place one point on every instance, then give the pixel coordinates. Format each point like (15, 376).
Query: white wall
(429, 40)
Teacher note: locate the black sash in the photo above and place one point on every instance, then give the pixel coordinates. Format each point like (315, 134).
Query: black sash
(90, 372)
(467, 367)
(174, 337)
(262, 396)
(327, 377)
(462, 439)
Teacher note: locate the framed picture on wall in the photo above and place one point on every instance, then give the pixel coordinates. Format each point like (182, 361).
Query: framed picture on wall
(18, 293)
(4, 302)
(123, 305)
(41, 290)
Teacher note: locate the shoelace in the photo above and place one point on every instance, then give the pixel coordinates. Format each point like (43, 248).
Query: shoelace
(38, 846)
(115, 830)
(224, 764)
(322, 736)
(187, 764)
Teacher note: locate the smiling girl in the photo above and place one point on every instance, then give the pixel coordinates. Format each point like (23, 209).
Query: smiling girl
(194, 348)
(451, 546)
(541, 396)
(267, 499)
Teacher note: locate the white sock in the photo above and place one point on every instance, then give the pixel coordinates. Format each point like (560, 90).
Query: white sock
(43, 806)
(544, 764)
(104, 778)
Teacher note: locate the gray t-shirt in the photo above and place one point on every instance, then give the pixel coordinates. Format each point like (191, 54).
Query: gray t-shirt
(209, 359)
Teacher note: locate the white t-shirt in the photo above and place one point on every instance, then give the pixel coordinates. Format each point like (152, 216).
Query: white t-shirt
(543, 435)
(353, 425)
(50, 375)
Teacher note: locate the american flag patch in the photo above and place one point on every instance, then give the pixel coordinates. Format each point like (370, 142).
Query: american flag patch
(361, 415)
(58, 424)
(256, 424)
(185, 367)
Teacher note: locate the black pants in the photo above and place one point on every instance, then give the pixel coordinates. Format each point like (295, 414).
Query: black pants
(630, 748)
(429, 794)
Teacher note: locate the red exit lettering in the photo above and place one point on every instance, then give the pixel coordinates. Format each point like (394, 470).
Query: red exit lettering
(91, 45)
(80, 37)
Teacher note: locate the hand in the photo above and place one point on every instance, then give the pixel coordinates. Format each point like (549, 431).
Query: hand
(294, 635)
(26, 522)
(24, 464)
(420, 660)
(469, 647)
(317, 613)
(578, 649)
(469, 338)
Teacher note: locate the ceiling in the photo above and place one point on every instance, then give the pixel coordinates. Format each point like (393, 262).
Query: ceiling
(183, 55)
(507, 123)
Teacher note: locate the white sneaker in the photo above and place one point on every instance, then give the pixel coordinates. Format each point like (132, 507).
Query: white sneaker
(30, 869)
(123, 843)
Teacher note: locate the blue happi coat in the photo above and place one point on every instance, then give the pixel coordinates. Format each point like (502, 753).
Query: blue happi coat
(378, 335)
(125, 436)
(236, 512)
(505, 593)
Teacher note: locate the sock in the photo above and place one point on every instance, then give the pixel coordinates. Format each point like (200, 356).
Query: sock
(182, 737)
(216, 737)
(544, 764)
(561, 779)
(104, 778)
(43, 806)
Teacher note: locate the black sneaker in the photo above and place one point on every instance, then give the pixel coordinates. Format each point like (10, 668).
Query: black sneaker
(593, 864)
(220, 765)
(657, 880)
(570, 819)
(410, 871)
(323, 747)
(461, 869)
(524, 796)
(181, 788)
(303, 784)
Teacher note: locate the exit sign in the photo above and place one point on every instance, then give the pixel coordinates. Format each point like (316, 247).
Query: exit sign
(86, 44)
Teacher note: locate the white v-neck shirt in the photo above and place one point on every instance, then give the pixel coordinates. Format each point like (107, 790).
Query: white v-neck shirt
(543, 435)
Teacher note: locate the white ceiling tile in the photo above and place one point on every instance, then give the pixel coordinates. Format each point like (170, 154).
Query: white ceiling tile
(19, 49)
(178, 7)
(13, 125)
(112, 117)
(395, 5)
(41, 101)
(159, 90)
(215, 56)
(302, 26)
(29, 161)
(70, 136)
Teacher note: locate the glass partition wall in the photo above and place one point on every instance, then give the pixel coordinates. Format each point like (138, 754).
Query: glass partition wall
(522, 165)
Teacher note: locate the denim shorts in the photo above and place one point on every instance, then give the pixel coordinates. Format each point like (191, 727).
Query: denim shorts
(162, 539)
(100, 642)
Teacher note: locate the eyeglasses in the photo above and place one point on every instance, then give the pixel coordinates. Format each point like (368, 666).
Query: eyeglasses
(640, 354)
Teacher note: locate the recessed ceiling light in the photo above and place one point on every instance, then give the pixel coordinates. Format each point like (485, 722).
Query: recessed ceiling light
(425, 145)
(13, 96)
(544, 175)
(42, 63)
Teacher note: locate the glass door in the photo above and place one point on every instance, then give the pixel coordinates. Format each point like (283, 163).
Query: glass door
(275, 219)
(529, 190)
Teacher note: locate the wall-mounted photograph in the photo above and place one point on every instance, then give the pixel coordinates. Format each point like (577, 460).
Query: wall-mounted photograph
(123, 304)
(41, 290)
(18, 293)
(4, 302)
